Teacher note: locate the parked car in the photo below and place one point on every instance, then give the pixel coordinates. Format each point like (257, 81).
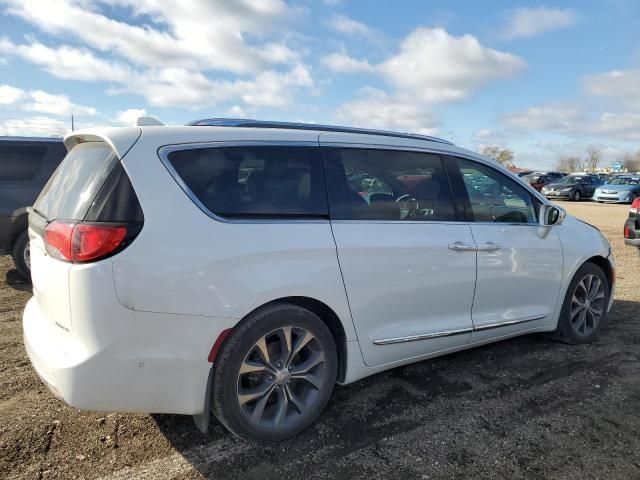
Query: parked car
(26, 164)
(245, 267)
(554, 174)
(538, 180)
(622, 189)
(632, 225)
(572, 187)
(524, 173)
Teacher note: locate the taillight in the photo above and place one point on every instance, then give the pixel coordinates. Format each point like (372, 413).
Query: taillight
(627, 231)
(636, 203)
(80, 242)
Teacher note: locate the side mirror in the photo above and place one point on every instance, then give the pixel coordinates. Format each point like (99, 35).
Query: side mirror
(551, 215)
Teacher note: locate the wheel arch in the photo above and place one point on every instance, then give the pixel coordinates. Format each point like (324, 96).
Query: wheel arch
(605, 265)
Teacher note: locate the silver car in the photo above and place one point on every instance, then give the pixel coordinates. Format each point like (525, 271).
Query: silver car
(624, 189)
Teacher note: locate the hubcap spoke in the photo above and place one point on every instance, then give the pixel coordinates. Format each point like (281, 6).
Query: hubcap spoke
(264, 389)
(309, 377)
(300, 406)
(249, 366)
(301, 342)
(263, 351)
(313, 361)
(285, 335)
(282, 405)
(258, 410)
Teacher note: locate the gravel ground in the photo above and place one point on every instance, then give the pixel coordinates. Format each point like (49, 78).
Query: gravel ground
(523, 408)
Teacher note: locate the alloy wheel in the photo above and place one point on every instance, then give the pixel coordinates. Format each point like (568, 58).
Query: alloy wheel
(26, 255)
(281, 377)
(587, 305)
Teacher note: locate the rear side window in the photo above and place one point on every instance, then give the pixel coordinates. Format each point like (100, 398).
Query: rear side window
(388, 185)
(254, 181)
(73, 186)
(20, 162)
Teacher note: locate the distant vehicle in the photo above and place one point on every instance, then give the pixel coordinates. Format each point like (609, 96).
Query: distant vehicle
(632, 225)
(242, 268)
(621, 189)
(25, 166)
(556, 174)
(524, 173)
(538, 180)
(572, 187)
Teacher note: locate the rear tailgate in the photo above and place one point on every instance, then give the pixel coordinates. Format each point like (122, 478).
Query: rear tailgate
(68, 195)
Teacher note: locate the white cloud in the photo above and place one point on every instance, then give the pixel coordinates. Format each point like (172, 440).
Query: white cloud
(189, 34)
(574, 120)
(340, 62)
(528, 22)
(41, 101)
(129, 116)
(41, 126)
(376, 109)
(620, 84)
(348, 26)
(237, 111)
(433, 66)
(9, 94)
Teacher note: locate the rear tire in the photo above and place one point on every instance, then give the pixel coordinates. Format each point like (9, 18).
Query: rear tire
(585, 306)
(576, 196)
(274, 374)
(21, 254)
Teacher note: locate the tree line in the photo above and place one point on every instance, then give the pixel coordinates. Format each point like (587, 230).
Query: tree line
(591, 161)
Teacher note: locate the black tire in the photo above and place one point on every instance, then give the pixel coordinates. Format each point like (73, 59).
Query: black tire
(576, 197)
(568, 330)
(240, 349)
(19, 255)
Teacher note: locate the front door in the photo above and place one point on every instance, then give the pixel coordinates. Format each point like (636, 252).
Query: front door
(405, 253)
(520, 264)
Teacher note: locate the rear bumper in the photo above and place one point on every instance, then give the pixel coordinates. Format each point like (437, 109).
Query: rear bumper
(157, 365)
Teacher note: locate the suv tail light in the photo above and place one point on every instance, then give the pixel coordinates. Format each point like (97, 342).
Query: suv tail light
(636, 203)
(627, 231)
(82, 242)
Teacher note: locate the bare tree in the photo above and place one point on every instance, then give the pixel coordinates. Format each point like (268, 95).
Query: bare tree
(594, 156)
(502, 156)
(630, 162)
(568, 164)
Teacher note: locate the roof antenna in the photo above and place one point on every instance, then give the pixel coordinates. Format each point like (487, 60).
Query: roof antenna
(148, 121)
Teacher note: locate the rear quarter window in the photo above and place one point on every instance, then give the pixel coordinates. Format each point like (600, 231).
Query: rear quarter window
(20, 162)
(73, 186)
(254, 181)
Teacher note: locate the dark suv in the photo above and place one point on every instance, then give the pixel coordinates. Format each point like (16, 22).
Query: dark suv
(26, 163)
(572, 187)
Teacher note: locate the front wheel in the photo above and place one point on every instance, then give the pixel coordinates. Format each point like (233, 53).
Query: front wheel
(274, 374)
(585, 306)
(576, 196)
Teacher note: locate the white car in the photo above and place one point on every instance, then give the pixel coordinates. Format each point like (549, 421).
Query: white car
(243, 268)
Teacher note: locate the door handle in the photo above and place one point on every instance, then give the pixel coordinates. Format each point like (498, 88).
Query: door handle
(462, 247)
(489, 247)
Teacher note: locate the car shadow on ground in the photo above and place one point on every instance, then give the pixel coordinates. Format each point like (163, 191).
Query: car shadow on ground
(17, 281)
(361, 415)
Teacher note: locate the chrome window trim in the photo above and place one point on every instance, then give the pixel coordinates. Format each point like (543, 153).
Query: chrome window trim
(165, 150)
(462, 331)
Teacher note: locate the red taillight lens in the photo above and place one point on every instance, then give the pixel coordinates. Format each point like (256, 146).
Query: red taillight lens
(82, 242)
(627, 231)
(636, 203)
(57, 239)
(91, 242)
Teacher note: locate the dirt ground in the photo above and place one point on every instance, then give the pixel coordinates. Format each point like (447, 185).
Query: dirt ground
(523, 408)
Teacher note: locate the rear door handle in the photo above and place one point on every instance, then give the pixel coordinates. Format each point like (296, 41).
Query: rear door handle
(462, 247)
(488, 247)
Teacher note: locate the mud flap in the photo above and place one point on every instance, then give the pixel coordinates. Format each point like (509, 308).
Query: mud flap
(202, 420)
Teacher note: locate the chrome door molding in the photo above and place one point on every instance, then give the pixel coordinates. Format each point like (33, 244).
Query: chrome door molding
(448, 333)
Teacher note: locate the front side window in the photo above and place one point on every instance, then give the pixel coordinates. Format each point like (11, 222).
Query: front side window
(255, 181)
(494, 197)
(388, 185)
(18, 163)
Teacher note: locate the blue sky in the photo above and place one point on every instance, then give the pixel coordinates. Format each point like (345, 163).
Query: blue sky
(543, 79)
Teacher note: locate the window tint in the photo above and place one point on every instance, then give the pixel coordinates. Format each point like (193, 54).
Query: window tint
(255, 181)
(20, 162)
(494, 197)
(75, 183)
(388, 185)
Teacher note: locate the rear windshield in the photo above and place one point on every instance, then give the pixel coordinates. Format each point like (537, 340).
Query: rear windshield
(75, 183)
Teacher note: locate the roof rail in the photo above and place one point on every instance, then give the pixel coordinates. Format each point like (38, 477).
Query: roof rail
(249, 123)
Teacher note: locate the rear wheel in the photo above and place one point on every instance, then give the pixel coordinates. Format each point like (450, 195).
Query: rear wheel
(21, 254)
(576, 196)
(274, 374)
(585, 306)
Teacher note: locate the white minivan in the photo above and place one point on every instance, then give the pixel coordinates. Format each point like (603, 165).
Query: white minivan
(244, 267)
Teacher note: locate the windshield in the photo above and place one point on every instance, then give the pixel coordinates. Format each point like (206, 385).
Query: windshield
(73, 186)
(625, 181)
(570, 179)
